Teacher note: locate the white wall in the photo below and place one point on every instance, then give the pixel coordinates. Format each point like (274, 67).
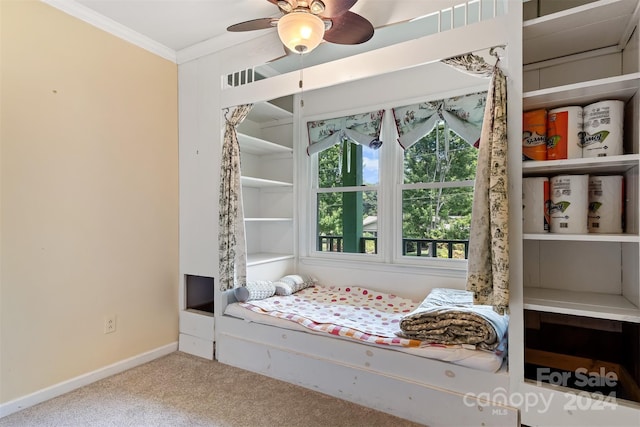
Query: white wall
(89, 199)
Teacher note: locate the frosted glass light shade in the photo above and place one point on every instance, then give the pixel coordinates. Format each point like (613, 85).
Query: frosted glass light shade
(300, 32)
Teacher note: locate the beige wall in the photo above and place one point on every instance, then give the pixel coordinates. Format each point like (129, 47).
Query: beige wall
(89, 193)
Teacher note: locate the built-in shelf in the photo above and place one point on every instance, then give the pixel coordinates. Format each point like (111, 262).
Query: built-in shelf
(266, 141)
(592, 26)
(262, 183)
(586, 281)
(621, 88)
(263, 112)
(263, 258)
(612, 164)
(252, 145)
(589, 304)
(591, 237)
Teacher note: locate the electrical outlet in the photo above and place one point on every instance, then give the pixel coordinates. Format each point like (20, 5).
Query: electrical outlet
(110, 324)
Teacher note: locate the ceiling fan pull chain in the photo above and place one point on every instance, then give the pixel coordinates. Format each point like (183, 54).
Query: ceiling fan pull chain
(300, 84)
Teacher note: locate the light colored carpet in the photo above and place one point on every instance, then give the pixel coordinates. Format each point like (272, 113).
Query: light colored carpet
(183, 390)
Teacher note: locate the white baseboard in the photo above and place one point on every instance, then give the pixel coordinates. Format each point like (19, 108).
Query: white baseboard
(85, 379)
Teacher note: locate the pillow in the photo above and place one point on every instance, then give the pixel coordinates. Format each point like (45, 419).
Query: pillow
(260, 289)
(293, 283)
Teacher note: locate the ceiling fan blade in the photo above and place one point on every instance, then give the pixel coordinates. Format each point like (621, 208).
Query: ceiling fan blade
(336, 7)
(254, 24)
(349, 28)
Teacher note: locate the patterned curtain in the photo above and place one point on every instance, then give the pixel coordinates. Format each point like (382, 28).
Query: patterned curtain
(472, 64)
(231, 237)
(461, 114)
(488, 266)
(363, 129)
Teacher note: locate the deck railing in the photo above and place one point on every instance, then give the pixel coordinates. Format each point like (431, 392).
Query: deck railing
(410, 247)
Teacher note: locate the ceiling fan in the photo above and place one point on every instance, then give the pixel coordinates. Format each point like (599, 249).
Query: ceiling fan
(306, 23)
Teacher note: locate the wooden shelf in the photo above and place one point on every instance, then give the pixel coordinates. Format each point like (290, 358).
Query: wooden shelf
(252, 145)
(621, 88)
(592, 26)
(262, 183)
(589, 304)
(264, 258)
(612, 164)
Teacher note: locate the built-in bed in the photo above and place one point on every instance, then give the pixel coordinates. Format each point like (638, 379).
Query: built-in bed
(376, 318)
(292, 337)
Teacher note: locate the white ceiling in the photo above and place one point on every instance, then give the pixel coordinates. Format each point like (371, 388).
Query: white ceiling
(180, 24)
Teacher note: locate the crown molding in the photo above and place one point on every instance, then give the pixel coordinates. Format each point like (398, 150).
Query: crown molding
(216, 44)
(91, 17)
(202, 48)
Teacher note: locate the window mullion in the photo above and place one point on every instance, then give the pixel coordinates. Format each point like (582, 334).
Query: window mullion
(347, 189)
(431, 185)
(391, 209)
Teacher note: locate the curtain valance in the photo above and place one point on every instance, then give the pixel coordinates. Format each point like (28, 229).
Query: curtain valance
(462, 114)
(363, 129)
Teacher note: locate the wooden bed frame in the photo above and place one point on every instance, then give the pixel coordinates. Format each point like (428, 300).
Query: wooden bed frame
(408, 386)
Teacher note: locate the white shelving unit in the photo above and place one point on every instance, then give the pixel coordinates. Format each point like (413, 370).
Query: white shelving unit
(595, 25)
(563, 34)
(585, 276)
(590, 304)
(266, 141)
(591, 251)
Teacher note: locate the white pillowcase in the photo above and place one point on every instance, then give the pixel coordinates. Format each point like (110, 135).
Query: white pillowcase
(293, 283)
(259, 289)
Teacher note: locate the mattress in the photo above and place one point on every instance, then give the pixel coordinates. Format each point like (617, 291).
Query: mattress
(330, 312)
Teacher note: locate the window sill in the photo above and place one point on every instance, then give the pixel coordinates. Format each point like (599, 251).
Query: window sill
(458, 268)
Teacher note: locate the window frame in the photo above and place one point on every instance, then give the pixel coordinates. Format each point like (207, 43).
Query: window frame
(389, 188)
(313, 189)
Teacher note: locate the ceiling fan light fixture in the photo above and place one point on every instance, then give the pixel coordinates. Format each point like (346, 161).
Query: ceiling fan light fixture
(316, 7)
(285, 6)
(301, 32)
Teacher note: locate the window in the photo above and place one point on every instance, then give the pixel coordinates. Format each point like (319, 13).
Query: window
(437, 195)
(347, 199)
(405, 203)
(347, 182)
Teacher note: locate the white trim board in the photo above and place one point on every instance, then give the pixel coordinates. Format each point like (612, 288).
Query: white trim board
(59, 389)
(91, 17)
